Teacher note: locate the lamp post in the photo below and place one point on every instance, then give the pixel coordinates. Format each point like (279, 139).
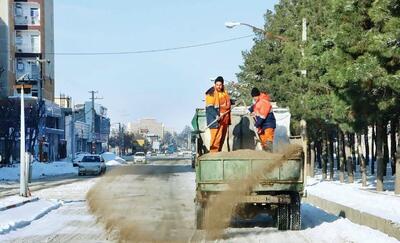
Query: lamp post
(266, 34)
(269, 35)
(24, 167)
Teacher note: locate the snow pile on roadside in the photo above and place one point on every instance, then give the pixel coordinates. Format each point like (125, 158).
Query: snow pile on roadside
(112, 159)
(22, 216)
(113, 163)
(379, 204)
(340, 230)
(39, 170)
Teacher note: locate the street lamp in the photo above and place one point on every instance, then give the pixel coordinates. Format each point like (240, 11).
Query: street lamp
(267, 35)
(24, 166)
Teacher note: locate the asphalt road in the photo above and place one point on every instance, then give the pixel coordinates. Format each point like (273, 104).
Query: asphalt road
(154, 203)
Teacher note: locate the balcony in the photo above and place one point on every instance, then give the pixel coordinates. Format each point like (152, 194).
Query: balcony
(27, 13)
(27, 41)
(27, 66)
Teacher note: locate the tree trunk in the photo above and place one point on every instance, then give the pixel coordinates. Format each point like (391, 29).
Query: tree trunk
(349, 160)
(319, 152)
(385, 148)
(393, 128)
(373, 150)
(308, 157)
(353, 152)
(330, 154)
(397, 178)
(362, 161)
(312, 159)
(337, 150)
(366, 142)
(342, 156)
(379, 155)
(324, 158)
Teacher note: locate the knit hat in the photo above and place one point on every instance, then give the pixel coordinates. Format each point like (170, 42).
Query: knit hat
(219, 79)
(255, 92)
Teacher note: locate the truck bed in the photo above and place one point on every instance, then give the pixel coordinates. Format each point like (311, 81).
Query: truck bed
(274, 171)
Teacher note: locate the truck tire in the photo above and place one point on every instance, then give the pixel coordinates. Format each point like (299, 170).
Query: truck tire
(295, 214)
(282, 217)
(200, 214)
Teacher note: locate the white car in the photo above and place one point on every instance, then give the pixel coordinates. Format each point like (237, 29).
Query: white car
(91, 164)
(139, 157)
(78, 158)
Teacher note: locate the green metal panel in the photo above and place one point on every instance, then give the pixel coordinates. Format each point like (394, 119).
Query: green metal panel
(290, 170)
(213, 175)
(260, 165)
(236, 169)
(218, 187)
(211, 170)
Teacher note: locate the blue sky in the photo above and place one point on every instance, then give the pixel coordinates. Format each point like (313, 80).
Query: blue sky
(167, 86)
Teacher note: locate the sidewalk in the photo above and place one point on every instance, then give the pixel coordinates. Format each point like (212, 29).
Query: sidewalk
(17, 212)
(365, 206)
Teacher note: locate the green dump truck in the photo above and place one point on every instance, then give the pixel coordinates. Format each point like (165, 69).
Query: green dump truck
(279, 182)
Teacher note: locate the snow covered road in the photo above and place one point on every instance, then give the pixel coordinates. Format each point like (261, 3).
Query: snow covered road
(155, 203)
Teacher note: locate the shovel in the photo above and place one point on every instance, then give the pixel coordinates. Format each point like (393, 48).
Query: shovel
(258, 139)
(219, 118)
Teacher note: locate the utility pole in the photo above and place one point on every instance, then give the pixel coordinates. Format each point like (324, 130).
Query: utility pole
(23, 189)
(24, 167)
(303, 40)
(73, 133)
(93, 98)
(120, 134)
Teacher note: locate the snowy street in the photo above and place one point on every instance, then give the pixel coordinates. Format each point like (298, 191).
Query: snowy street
(155, 202)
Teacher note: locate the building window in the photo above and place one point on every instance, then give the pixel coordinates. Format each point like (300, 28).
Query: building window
(35, 42)
(34, 16)
(18, 10)
(20, 65)
(18, 38)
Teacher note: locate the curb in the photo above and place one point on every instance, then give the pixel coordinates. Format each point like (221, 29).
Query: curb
(358, 217)
(33, 199)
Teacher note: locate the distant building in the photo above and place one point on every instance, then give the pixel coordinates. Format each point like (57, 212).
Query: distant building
(87, 131)
(147, 126)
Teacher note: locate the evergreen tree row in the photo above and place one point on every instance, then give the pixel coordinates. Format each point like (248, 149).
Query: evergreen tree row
(350, 96)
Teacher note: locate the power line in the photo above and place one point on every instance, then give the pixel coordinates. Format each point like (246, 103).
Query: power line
(149, 51)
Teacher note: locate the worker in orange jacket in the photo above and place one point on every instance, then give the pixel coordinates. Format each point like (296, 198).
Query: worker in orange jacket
(265, 122)
(218, 107)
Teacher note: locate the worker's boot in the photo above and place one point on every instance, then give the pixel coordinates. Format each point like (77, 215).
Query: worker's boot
(268, 146)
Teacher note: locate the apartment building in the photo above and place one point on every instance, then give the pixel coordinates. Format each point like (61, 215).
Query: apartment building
(27, 47)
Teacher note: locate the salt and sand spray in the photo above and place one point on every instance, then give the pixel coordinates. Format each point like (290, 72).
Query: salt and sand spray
(122, 227)
(221, 208)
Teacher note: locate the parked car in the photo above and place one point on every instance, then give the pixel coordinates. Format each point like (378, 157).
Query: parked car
(78, 158)
(140, 157)
(92, 164)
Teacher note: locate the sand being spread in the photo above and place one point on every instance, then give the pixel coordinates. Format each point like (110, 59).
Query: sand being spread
(147, 205)
(220, 210)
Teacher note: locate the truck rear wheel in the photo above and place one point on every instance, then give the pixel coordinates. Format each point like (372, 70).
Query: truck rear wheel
(282, 217)
(295, 215)
(200, 214)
